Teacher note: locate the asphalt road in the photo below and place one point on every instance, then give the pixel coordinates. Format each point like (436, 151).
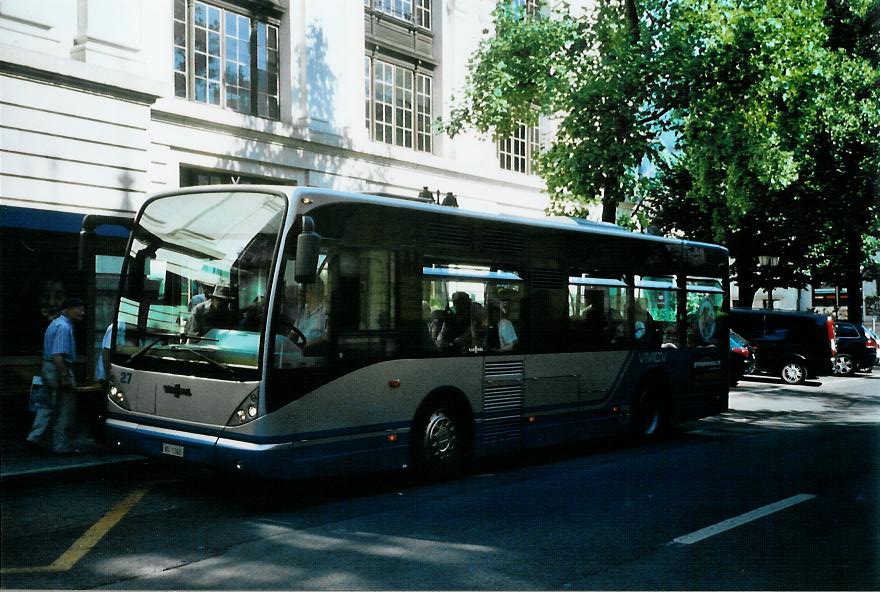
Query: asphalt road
(783, 492)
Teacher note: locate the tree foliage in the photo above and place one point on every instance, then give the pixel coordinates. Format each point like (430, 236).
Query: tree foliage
(774, 106)
(582, 70)
(778, 112)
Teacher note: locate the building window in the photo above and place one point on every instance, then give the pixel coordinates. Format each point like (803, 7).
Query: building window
(396, 110)
(226, 58)
(194, 177)
(423, 13)
(423, 113)
(368, 91)
(829, 297)
(531, 7)
(417, 12)
(518, 152)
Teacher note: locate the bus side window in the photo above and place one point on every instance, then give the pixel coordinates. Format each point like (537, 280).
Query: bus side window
(365, 305)
(655, 322)
(470, 310)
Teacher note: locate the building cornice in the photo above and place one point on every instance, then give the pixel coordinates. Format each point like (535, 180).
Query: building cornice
(73, 74)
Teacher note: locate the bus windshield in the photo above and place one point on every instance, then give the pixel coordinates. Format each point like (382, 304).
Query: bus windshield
(195, 282)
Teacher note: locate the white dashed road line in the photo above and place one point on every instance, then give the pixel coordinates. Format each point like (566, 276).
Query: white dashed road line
(731, 523)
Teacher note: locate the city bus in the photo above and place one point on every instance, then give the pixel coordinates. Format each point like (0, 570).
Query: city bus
(292, 332)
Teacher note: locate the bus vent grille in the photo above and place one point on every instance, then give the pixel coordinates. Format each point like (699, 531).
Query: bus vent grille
(450, 235)
(503, 368)
(549, 279)
(502, 400)
(498, 430)
(495, 239)
(502, 403)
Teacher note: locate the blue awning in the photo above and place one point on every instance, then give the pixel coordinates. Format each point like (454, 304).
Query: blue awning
(52, 221)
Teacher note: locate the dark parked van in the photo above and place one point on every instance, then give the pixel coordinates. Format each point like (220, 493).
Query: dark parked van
(794, 345)
(856, 348)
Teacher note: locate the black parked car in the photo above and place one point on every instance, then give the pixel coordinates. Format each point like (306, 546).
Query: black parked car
(856, 348)
(795, 345)
(742, 358)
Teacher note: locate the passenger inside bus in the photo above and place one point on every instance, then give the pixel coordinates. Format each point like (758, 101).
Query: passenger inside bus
(252, 318)
(502, 335)
(460, 321)
(642, 320)
(596, 318)
(215, 313)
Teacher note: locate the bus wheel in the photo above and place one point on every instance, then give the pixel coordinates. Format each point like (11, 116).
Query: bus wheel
(794, 373)
(650, 414)
(440, 444)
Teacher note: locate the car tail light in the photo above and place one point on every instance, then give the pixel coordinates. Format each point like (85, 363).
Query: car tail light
(871, 344)
(832, 338)
(741, 351)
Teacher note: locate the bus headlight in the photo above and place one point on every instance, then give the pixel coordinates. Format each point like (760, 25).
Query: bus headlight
(245, 412)
(118, 397)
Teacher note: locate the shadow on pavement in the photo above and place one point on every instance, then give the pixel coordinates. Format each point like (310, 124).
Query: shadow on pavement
(779, 381)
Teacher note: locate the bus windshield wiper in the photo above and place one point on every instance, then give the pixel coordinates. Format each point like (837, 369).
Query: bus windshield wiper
(160, 336)
(143, 350)
(208, 359)
(177, 335)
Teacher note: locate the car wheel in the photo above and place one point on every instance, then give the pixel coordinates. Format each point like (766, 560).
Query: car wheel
(794, 373)
(843, 365)
(440, 445)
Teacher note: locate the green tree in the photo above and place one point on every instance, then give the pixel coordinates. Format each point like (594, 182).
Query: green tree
(778, 119)
(843, 168)
(591, 73)
(773, 105)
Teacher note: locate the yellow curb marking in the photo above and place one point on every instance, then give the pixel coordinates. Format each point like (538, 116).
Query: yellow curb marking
(87, 541)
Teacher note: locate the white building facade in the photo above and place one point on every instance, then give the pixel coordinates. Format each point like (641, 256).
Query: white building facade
(104, 102)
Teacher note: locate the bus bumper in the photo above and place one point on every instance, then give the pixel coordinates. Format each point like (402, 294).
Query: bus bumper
(188, 446)
(284, 460)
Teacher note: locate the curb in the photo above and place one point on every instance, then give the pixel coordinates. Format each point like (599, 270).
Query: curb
(86, 467)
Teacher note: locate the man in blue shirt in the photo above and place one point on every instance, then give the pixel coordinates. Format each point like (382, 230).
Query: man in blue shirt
(59, 354)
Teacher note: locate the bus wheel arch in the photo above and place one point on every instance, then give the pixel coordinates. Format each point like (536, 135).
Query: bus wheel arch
(652, 406)
(442, 435)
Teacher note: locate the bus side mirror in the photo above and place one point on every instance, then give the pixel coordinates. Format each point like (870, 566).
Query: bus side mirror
(308, 247)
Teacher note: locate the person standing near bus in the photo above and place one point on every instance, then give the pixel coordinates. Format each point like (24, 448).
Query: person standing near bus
(102, 366)
(59, 354)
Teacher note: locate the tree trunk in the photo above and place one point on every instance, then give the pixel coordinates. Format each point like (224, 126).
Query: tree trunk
(746, 294)
(632, 19)
(742, 245)
(612, 194)
(854, 277)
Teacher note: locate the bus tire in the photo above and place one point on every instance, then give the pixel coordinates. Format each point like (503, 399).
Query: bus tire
(441, 441)
(652, 414)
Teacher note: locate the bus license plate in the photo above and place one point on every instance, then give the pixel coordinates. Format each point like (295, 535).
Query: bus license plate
(172, 450)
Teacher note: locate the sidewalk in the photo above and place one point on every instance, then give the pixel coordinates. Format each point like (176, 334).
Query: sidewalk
(18, 461)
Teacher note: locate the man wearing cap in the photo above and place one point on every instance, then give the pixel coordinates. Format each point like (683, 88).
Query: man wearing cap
(59, 354)
(214, 313)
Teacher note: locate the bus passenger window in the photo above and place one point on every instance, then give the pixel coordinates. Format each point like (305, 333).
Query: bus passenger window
(300, 325)
(596, 312)
(470, 310)
(655, 322)
(704, 301)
